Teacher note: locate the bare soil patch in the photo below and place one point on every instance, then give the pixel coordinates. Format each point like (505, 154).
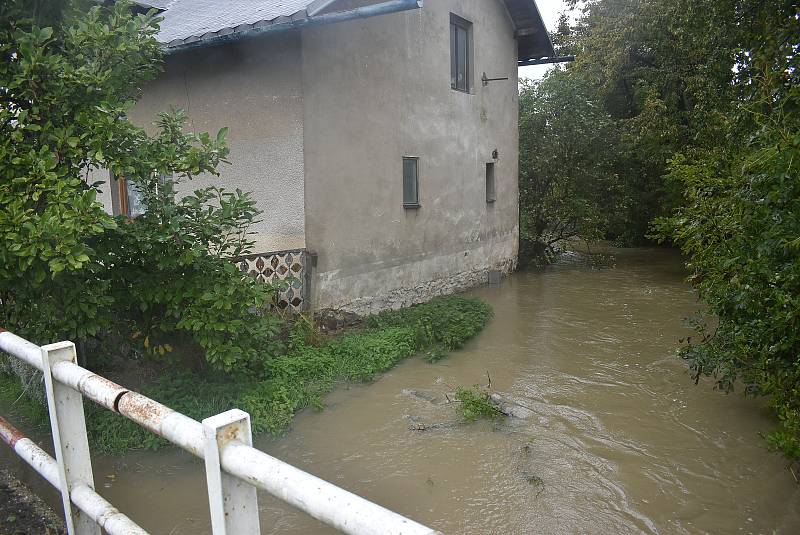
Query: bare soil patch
(22, 512)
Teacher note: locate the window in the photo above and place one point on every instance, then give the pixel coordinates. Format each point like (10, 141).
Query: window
(490, 193)
(460, 53)
(410, 182)
(127, 199)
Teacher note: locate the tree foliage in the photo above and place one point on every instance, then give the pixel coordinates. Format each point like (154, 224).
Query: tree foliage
(649, 79)
(68, 270)
(740, 222)
(562, 121)
(697, 103)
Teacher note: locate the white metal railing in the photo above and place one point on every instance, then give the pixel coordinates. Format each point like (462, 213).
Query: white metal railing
(234, 469)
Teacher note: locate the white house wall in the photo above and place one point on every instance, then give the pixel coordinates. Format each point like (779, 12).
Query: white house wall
(254, 87)
(376, 90)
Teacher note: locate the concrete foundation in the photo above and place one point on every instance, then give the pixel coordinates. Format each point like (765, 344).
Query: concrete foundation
(384, 286)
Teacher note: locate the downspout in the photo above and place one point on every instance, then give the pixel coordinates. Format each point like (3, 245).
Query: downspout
(390, 6)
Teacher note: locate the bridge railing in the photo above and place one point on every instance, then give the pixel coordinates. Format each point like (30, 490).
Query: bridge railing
(234, 469)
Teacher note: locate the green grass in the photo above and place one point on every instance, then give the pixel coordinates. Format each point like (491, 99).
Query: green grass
(12, 394)
(445, 323)
(291, 382)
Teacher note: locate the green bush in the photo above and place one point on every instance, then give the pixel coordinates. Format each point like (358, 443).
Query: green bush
(171, 274)
(302, 377)
(740, 226)
(447, 322)
(68, 270)
(290, 382)
(475, 403)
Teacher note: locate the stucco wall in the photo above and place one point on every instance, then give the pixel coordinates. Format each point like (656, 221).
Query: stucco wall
(376, 90)
(254, 87)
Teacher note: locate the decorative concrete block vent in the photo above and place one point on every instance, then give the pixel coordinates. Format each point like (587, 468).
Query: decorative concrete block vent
(289, 270)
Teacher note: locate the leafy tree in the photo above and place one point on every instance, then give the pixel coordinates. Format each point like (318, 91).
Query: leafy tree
(566, 183)
(68, 270)
(740, 224)
(659, 72)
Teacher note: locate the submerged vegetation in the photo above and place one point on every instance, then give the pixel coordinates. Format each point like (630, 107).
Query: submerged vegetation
(475, 403)
(680, 122)
(311, 368)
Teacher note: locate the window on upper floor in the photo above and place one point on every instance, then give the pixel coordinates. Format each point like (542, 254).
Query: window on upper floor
(410, 182)
(460, 53)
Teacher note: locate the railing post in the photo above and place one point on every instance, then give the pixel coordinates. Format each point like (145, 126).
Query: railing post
(68, 425)
(233, 502)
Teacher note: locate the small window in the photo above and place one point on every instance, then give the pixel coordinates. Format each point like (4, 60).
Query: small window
(128, 200)
(411, 182)
(460, 53)
(490, 192)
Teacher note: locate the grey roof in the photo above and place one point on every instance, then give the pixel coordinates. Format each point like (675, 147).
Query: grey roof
(186, 21)
(189, 21)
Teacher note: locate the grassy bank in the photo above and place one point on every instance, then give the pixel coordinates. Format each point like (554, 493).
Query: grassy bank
(310, 369)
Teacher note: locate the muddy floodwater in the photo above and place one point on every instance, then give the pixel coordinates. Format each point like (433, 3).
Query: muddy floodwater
(618, 439)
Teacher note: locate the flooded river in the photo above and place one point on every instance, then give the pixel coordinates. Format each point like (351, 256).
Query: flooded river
(620, 440)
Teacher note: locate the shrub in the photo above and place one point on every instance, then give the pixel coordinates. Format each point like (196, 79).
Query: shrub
(475, 403)
(70, 271)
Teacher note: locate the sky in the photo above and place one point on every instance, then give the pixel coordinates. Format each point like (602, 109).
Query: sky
(549, 10)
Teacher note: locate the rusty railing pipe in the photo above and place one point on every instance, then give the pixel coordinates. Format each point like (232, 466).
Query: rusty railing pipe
(324, 501)
(87, 500)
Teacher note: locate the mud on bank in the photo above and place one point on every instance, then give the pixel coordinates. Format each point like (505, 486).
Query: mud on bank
(22, 512)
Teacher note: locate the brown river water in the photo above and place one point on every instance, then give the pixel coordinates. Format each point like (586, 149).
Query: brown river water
(620, 440)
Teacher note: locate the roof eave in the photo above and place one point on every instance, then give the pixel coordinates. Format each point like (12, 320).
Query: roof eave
(533, 41)
(297, 21)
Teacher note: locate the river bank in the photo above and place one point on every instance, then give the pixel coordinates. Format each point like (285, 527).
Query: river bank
(313, 365)
(22, 512)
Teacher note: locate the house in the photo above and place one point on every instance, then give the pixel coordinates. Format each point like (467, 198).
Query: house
(379, 137)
